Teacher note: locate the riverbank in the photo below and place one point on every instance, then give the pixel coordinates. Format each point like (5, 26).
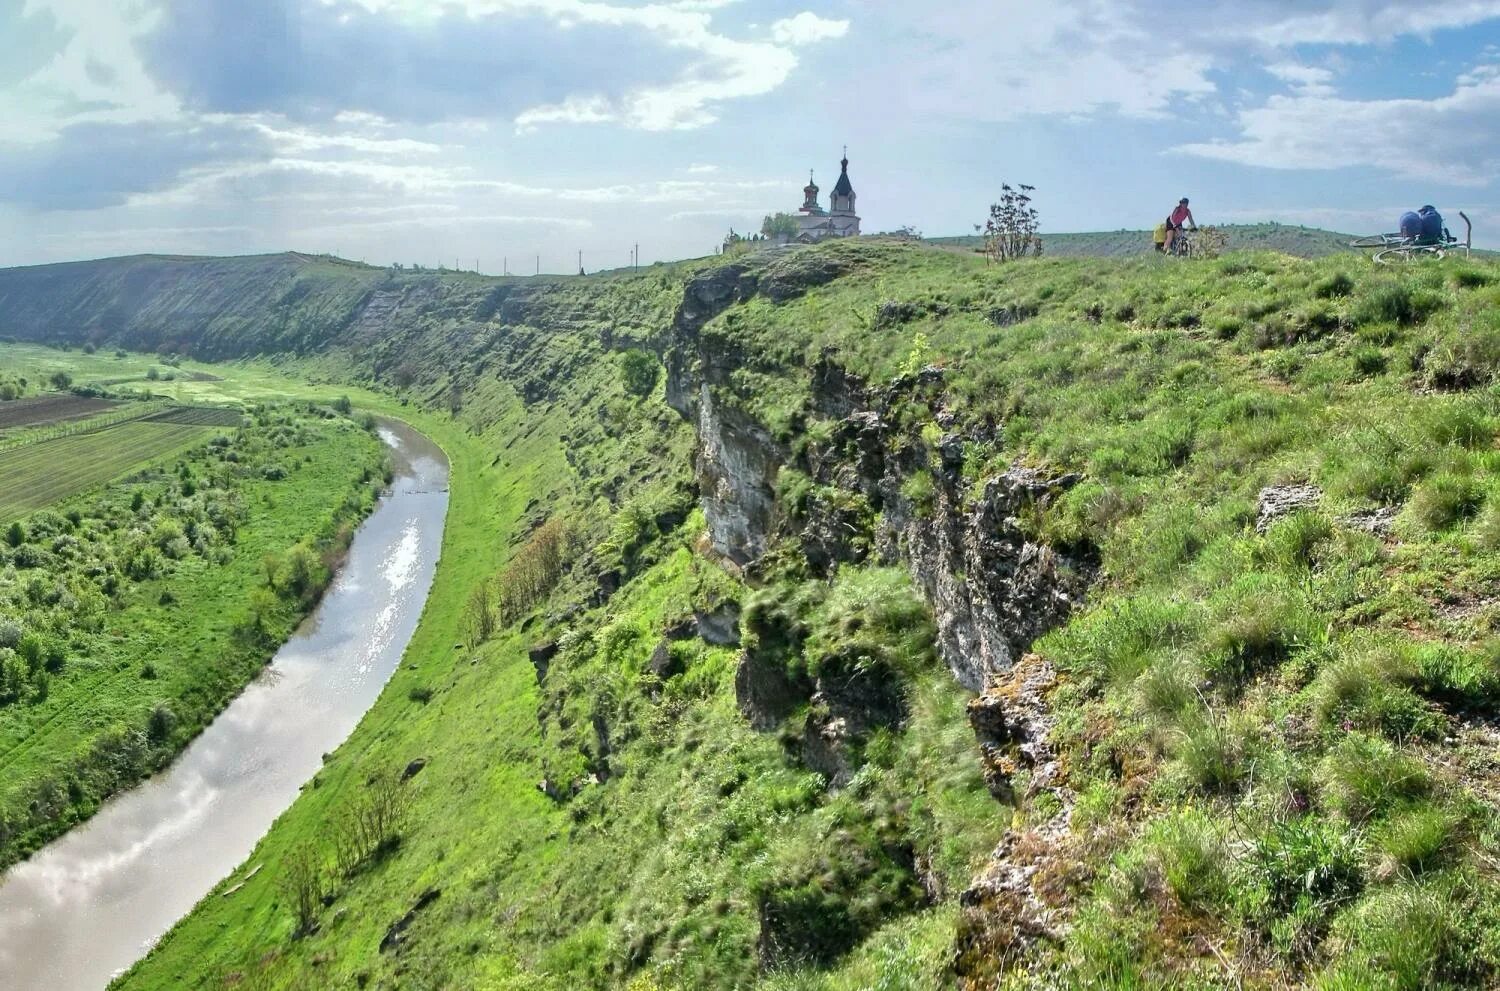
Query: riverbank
(130, 615)
(87, 906)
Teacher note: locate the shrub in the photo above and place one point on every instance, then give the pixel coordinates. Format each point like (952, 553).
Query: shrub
(372, 823)
(535, 568)
(15, 534)
(303, 883)
(161, 722)
(479, 614)
(639, 371)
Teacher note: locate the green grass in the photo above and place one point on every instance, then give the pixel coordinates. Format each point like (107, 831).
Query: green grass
(135, 611)
(1263, 727)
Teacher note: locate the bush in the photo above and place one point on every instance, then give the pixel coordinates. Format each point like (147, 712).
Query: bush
(535, 568)
(639, 371)
(161, 722)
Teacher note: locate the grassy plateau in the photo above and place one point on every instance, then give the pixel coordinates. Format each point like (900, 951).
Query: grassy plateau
(1277, 730)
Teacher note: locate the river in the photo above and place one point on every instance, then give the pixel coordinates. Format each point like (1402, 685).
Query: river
(88, 905)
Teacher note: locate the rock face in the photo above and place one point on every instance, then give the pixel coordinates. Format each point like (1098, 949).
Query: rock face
(993, 590)
(879, 490)
(845, 708)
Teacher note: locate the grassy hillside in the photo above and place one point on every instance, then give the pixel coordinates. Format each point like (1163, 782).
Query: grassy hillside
(1263, 755)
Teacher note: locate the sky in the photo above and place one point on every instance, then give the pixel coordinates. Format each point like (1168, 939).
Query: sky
(512, 134)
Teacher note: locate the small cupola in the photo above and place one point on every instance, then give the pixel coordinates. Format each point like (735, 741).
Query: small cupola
(810, 195)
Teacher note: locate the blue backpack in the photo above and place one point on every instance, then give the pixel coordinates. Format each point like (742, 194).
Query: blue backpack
(1432, 224)
(1411, 224)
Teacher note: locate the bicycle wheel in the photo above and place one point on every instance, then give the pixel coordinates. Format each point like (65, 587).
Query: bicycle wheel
(1373, 241)
(1406, 254)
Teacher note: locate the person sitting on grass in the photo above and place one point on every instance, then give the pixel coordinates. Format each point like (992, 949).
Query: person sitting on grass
(1175, 221)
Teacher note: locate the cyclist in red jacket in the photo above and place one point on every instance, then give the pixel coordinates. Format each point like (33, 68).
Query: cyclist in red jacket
(1175, 222)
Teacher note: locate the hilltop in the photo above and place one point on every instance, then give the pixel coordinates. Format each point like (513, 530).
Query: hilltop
(1291, 239)
(864, 613)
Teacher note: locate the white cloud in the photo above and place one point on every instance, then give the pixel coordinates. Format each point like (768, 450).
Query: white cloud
(807, 28)
(1363, 22)
(1308, 80)
(1450, 139)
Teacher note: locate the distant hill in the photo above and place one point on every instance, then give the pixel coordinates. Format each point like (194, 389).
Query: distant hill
(1301, 242)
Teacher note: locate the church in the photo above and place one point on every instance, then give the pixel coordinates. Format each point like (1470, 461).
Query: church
(839, 220)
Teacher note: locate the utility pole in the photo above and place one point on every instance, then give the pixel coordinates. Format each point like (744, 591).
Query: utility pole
(580, 261)
(635, 256)
(538, 264)
(505, 264)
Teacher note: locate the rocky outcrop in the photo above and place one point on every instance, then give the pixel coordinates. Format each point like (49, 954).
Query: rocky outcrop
(1277, 501)
(845, 708)
(766, 691)
(992, 588)
(1017, 898)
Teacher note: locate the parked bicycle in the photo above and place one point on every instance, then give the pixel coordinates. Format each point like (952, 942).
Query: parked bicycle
(1398, 248)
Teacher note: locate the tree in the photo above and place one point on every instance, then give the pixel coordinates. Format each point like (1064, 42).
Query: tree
(16, 535)
(638, 372)
(780, 226)
(1010, 231)
(61, 380)
(302, 882)
(479, 615)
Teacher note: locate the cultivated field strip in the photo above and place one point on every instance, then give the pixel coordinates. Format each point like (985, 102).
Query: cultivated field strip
(49, 409)
(202, 416)
(40, 474)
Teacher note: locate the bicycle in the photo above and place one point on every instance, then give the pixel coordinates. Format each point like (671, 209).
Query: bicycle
(1199, 242)
(1400, 249)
